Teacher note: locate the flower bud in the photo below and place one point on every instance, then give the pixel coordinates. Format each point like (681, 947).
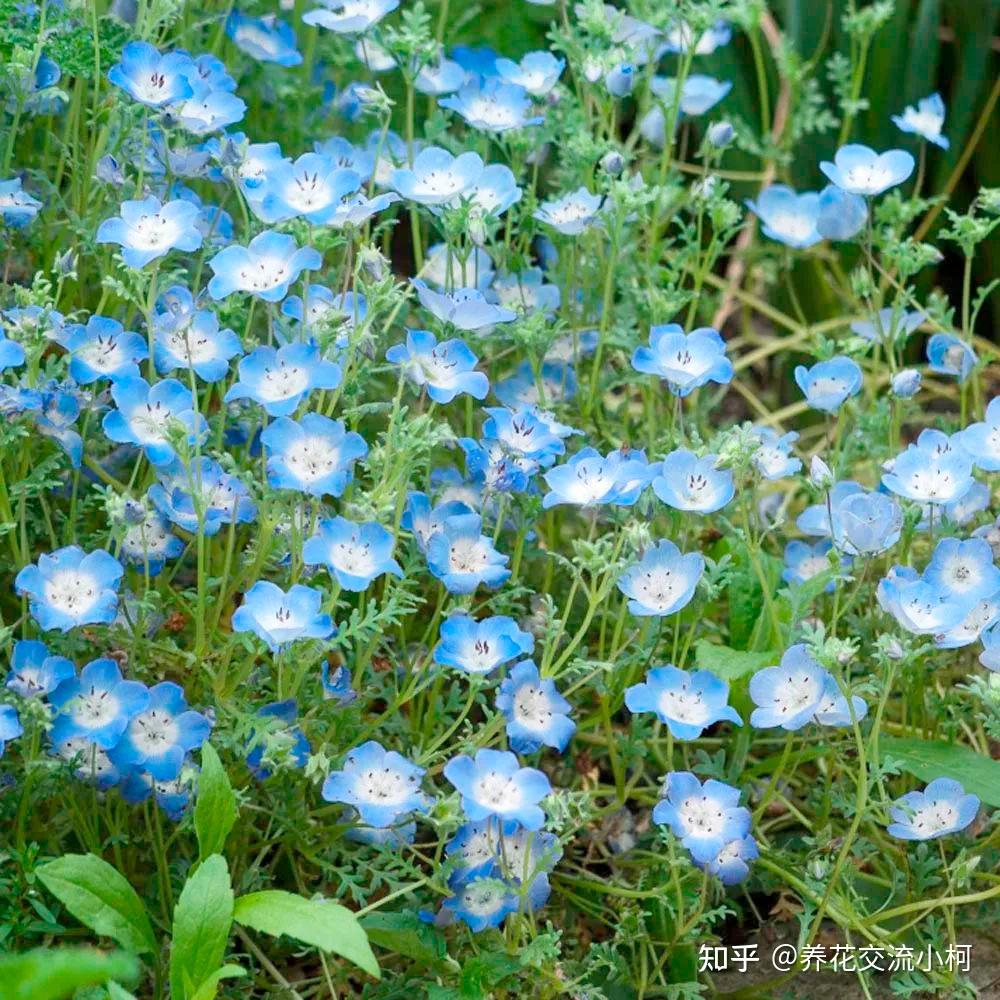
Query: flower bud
(820, 474)
(906, 383)
(613, 162)
(720, 134)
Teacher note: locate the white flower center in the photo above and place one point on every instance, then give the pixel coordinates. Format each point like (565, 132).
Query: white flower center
(264, 273)
(532, 708)
(283, 382)
(467, 555)
(153, 732)
(935, 818)
(312, 458)
(497, 791)
(385, 787)
(701, 816)
(684, 705)
(798, 691)
(71, 592)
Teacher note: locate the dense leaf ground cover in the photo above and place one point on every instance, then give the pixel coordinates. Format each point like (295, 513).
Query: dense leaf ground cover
(497, 501)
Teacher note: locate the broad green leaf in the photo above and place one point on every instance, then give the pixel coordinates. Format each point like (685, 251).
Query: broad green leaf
(100, 897)
(328, 926)
(215, 806)
(210, 987)
(930, 759)
(203, 919)
(481, 973)
(731, 664)
(406, 934)
(54, 973)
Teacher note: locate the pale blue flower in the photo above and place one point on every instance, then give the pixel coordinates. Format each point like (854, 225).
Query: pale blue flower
(194, 342)
(731, 865)
(314, 455)
(97, 706)
(265, 268)
(221, 498)
(494, 784)
(684, 361)
(918, 606)
(267, 39)
(34, 672)
(687, 482)
(949, 355)
(17, 207)
(279, 379)
(440, 78)
(925, 120)
(859, 170)
(704, 817)
(480, 647)
(840, 216)
(888, 326)
(942, 808)
(537, 72)
(463, 308)
(146, 415)
(571, 214)
(964, 569)
(804, 561)
(437, 177)
(10, 726)
(589, 479)
(148, 229)
(103, 349)
(537, 714)
(663, 581)
(446, 369)
(787, 216)
(354, 553)
(462, 557)
(828, 384)
(929, 476)
(490, 105)
(687, 703)
(774, 458)
(151, 78)
(982, 439)
(312, 188)
(349, 17)
(527, 292)
(281, 618)
(790, 694)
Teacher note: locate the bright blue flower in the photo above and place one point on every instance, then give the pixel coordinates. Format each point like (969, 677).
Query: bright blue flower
(494, 784)
(463, 308)
(436, 177)
(312, 188)
(172, 796)
(380, 784)
(267, 39)
(443, 77)
(148, 229)
(663, 581)
(790, 694)
(277, 738)
(536, 712)
(827, 384)
(941, 808)
(859, 170)
(930, 476)
(10, 726)
(687, 482)
(787, 216)
(280, 379)
(354, 553)
(982, 440)
(841, 216)
(462, 557)
(963, 569)
(868, 523)
(774, 458)
(687, 703)
(149, 544)
(336, 685)
(482, 903)
(949, 355)
(11, 354)
(281, 618)
(684, 361)
(704, 817)
(146, 414)
(480, 647)
(17, 207)
(731, 865)
(493, 468)
(804, 561)
(525, 434)
(151, 78)
(571, 214)
(558, 385)
(446, 369)
(588, 479)
(161, 735)
(71, 587)
(424, 521)
(314, 455)
(97, 706)
(265, 268)
(210, 110)
(103, 349)
(888, 326)
(537, 72)
(491, 105)
(195, 342)
(925, 120)
(527, 292)
(222, 498)
(833, 709)
(60, 409)
(349, 17)
(35, 673)
(918, 606)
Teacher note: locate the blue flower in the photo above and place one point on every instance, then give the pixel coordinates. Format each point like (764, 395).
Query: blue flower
(97, 706)
(920, 607)
(527, 292)
(279, 379)
(148, 229)
(34, 672)
(71, 587)
(940, 809)
(790, 694)
(462, 557)
(982, 440)
(687, 703)
(685, 361)
(494, 784)
(990, 656)
(312, 188)
(17, 207)
(788, 217)
(281, 618)
(620, 79)
(265, 268)
(447, 369)
(588, 479)
(480, 647)
(699, 93)
(687, 482)
(869, 523)
(925, 120)
(323, 309)
(703, 817)
(537, 72)
(194, 341)
(380, 784)
(482, 903)
(963, 569)
(572, 213)
(277, 739)
(888, 326)
(774, 458)
(349, 17)
(558, 385)
(336, 685)
(146, 414)
(443, 77)
(827, 384)
(10, 726)
(424, 521)
(663, 581)
(804, 561)
(60, 409)
(151, 78)
(267, 39)
(210, 110)
(859, 170)
(222, 498)
(680, 37)
(949, 355)
(833, 709)
(436, 177)
(490, 105)
(355, 553)
(314, 455)
(149, 543)
(11, 354)
(159, 737)
(536, 712)
(172, 796)
(103, 349)
(463, 308)
(930, 476)
(841, 216)
(731, 865)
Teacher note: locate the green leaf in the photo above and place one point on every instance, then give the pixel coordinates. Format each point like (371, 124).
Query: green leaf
(98, 896)
(116, 992)
(482, 973)
(215, 806)
(53, 973)
(930, 759)
(731, 664)
(406, 934)
(328, 926)
(203, 919)
(210, 986)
